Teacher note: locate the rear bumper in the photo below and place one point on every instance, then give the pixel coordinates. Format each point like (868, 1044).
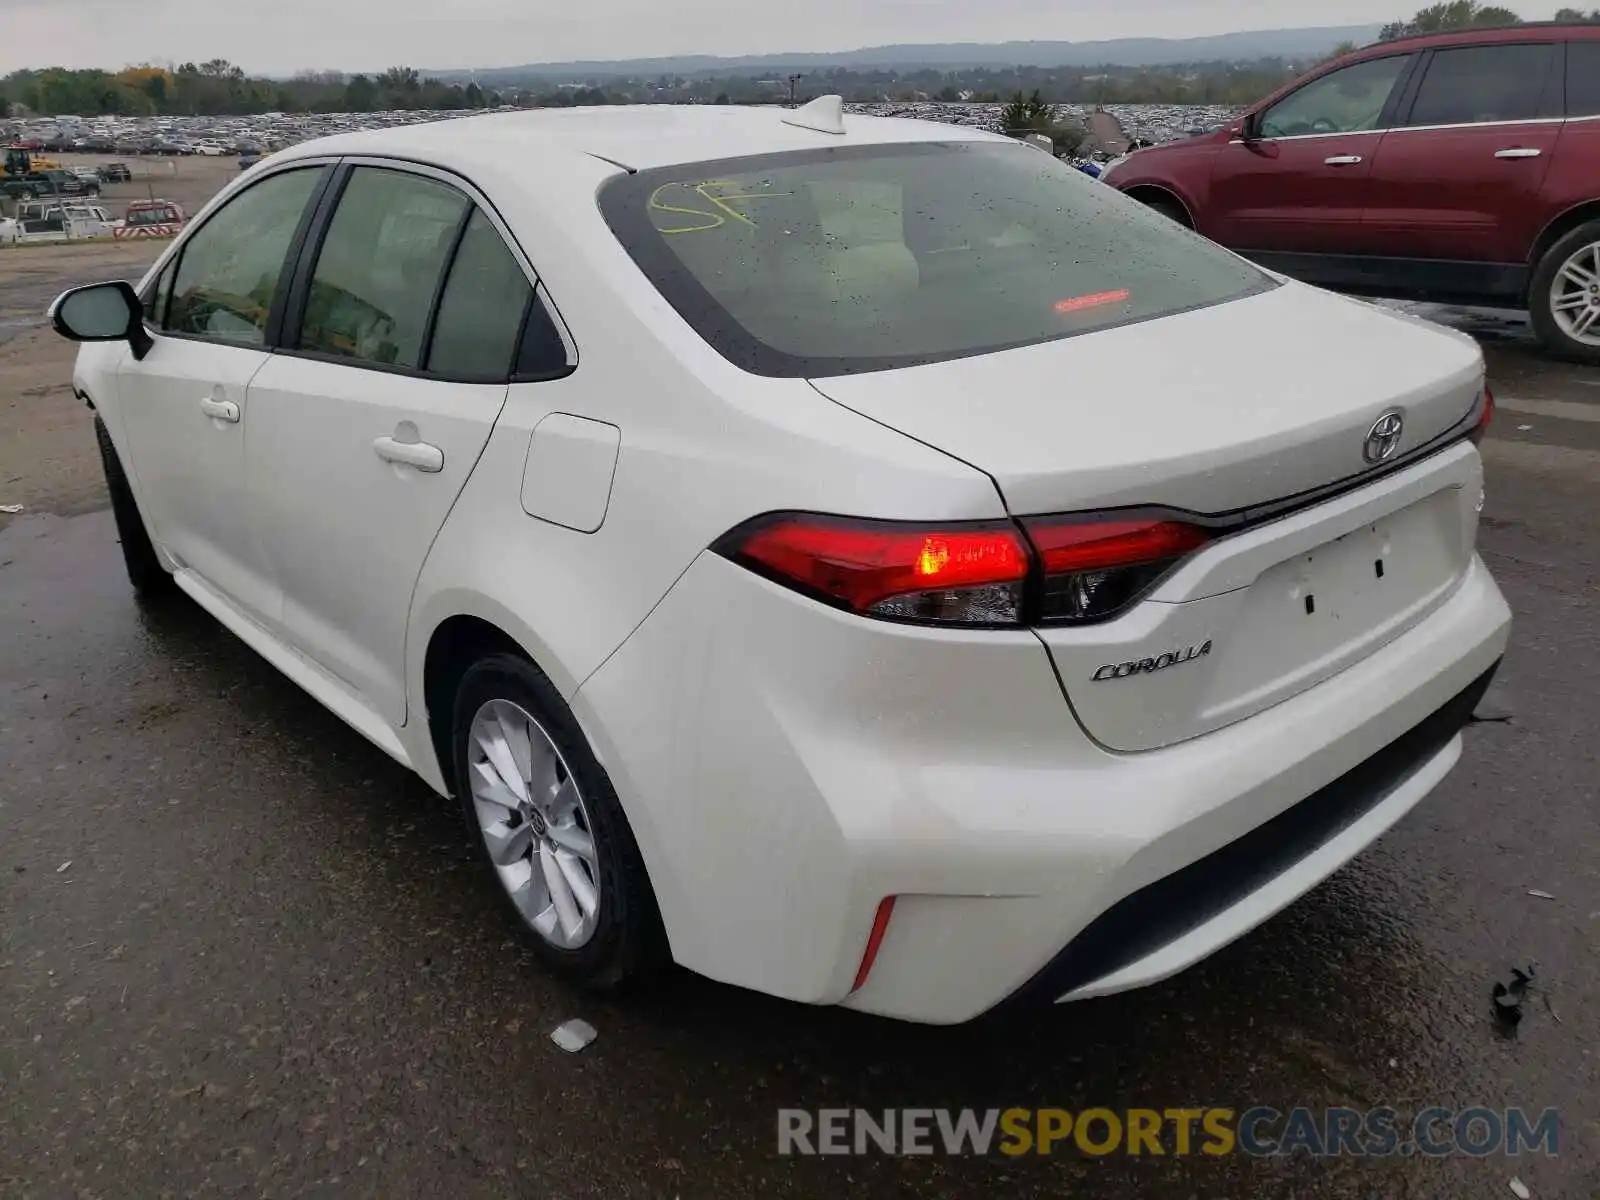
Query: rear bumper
(786, 767)
(1170, 924)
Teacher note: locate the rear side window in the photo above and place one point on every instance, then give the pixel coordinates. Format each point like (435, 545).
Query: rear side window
(1481, 85)
(482, 310)
(381, 266)
(1583, 79)
(230, 268)
(866, 258)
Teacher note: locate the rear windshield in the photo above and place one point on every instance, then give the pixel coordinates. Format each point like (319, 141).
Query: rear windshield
(868, 258)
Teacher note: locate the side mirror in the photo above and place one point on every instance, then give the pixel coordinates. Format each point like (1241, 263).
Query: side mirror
(1250, 128)
(102, 312)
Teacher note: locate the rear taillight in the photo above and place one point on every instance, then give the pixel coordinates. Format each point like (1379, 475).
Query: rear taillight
(1051, 569)
(957, 574)
(1095, 568)
(1485, 416)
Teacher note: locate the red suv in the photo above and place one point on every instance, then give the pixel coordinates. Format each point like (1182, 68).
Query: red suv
(1460, 167)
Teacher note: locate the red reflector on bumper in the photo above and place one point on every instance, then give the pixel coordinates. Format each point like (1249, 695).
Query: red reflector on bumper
(880, 926)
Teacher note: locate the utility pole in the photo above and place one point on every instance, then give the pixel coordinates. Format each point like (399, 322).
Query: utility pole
(794, 79)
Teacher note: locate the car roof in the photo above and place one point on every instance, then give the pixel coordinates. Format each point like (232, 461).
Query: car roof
(635, 137)
(1491, 35)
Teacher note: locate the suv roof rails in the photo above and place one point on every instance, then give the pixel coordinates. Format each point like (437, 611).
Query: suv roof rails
(1412, 37)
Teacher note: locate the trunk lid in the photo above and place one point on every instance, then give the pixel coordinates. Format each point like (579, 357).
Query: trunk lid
(1239, 406)
(1211, 411)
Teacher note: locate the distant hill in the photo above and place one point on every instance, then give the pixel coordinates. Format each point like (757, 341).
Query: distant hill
(1120, 52)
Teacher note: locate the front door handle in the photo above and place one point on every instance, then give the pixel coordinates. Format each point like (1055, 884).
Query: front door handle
(420, 455)
(221, 410)
(1519, 152)
(1343, 160)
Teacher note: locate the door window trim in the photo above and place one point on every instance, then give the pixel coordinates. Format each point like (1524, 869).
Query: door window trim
(310, 249)
(173, 260)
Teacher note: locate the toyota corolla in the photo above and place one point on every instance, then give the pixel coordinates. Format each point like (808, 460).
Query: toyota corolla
(865, 561)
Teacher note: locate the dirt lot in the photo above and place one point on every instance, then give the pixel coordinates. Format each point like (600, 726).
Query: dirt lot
(188, 181)
(47, 455)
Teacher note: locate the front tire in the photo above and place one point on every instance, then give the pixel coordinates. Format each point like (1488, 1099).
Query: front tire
(149, 578)
(1169, 209)
(1564, 298)
(550, 828)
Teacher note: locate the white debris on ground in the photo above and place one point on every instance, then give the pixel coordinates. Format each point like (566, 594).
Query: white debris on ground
(1520, 1189)
(572, 1036)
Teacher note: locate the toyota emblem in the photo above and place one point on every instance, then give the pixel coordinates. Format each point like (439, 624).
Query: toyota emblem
(1384, 438)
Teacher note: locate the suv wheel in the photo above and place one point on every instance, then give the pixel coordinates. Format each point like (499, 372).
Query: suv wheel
(1564, 300)
(149, 578)
(547, 821)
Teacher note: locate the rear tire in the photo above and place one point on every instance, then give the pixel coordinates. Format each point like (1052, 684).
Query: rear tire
(1564, 297)
(562, 816)
(150, 579)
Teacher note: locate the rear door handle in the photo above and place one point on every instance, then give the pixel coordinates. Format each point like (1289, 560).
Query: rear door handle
(1519, 152)
(221, 410)
(420, 455)
(1343, 160)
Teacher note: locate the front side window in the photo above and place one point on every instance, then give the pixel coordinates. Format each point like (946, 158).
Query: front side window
(1481, 85)
(155, 301)
(835, 261)
(1583, 79)
(230, 268)
(1349, 100)
(380, 268)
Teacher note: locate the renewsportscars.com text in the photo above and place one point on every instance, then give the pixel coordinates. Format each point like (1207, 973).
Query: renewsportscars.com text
(1259, 1132)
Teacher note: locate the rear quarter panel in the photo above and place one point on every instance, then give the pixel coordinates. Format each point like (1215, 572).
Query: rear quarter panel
(703, 447)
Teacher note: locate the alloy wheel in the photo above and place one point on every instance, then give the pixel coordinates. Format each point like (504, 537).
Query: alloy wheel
(1575, 296)
(534, 824)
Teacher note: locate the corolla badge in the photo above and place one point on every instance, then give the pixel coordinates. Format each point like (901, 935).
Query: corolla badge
(1144, 666)
(1383, 439)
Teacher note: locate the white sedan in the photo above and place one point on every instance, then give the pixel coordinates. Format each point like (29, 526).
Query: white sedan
(865, 561)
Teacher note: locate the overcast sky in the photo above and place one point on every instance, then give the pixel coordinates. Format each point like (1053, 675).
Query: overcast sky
(282, 36)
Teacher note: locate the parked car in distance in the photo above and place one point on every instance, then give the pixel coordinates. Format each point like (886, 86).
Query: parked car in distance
(725, 540)
(36, 184)
(1456, 167)
(115, 172)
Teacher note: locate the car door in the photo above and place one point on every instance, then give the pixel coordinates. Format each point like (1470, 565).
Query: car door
(1459, 176)
(366, 425)
(184, 409)
(1300, 185)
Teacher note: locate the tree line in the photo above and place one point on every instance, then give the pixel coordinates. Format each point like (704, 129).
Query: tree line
(1469, 14)
(219, 88)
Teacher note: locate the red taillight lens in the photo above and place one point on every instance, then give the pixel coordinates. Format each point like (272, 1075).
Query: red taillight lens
(1485, 417)
(958, 574)
(1093, 569)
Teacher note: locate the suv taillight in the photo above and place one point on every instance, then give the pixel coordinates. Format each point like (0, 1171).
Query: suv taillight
(989, 573)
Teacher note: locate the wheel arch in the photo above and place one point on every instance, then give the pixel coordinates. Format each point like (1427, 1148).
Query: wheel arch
(454, 644)
(1560, 226)
(1147, 192)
